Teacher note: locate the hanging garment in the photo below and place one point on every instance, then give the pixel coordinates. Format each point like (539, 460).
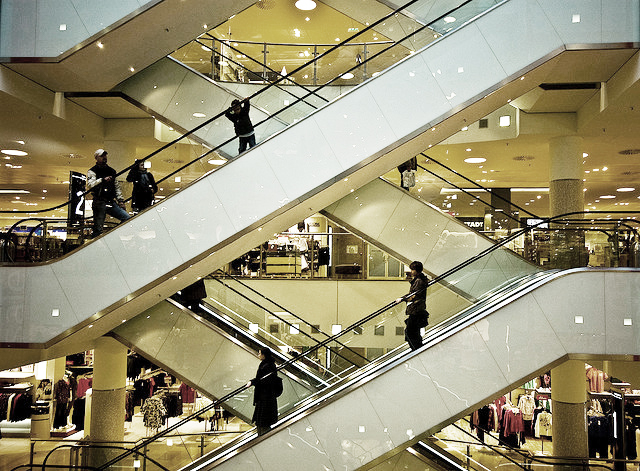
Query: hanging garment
(153, 412)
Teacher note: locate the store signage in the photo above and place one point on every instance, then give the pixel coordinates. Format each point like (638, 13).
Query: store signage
(77, 186)
(476, 223)
(533, 221)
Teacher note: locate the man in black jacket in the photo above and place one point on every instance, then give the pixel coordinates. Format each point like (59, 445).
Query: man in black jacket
(107, 195)
(238, 114)
(417, 315)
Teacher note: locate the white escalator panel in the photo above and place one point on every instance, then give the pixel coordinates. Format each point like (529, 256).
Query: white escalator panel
(533, 330)
(415, 230)
(297, 172)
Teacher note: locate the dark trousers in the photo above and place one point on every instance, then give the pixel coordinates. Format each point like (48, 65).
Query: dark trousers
(412, 331)
(100, 210)
(246, 141)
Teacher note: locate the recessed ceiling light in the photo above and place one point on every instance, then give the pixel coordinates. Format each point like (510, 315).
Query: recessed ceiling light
(216, 161)
(347, 76)
(18, 192)
(625, 189)
(607, 197)
(584, 154)
(475, 160)
(305, 4)
(131, 69)
(199, 115)
(449, 19)
(18, 153)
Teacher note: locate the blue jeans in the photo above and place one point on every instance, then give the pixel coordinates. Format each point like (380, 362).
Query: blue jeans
(244, 141)
(100, 210)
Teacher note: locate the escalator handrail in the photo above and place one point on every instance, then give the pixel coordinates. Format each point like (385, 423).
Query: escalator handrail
(214, 52)
(284, 320)
(477, 185)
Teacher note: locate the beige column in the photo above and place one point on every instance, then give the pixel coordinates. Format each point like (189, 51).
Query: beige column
(566, 196)
(569, 397)
(107, 401)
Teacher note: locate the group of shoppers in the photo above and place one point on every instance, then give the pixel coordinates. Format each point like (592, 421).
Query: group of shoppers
(105, 188)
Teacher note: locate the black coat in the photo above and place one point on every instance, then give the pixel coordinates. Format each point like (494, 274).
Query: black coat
(241, 121)
(264, 396)
(417, 304)
(143, 189)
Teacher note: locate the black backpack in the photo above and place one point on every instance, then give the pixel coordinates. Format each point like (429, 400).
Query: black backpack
(278, 385)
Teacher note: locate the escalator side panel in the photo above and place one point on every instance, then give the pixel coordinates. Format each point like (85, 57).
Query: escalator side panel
(200, 355)
(453, 376)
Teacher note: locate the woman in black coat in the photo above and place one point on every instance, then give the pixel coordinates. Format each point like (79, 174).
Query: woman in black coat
(264, 396)
(144, 187)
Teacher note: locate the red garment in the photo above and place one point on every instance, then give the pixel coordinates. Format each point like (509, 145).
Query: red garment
(512, 422)
(83, 385)
(187, 393)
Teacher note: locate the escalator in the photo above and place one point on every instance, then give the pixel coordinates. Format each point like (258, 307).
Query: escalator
(532, 325)
(363, 134)
(215, 350)
(59, 43)
(464, 365)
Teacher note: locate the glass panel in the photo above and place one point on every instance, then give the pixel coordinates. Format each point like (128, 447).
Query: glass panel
(377, 263)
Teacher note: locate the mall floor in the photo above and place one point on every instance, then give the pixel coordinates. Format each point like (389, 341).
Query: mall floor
(173, 452)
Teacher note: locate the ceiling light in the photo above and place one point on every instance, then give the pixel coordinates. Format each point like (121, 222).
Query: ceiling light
(449, 19)
(18, 153)
(347, 76)
(305, 4)
(475, 160)
(100, 45)
(505, 121)
(63, 27)
(131, 69)
(306, 19)
(584, 155)
(199, 115)
(607, 197)
(621, 190)
(296, 32)
(17, 192)
(216, 161)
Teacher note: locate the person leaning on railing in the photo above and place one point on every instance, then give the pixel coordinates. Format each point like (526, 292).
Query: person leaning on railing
(238, 114)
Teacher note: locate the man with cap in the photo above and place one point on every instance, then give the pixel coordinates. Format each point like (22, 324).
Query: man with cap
(107, 195)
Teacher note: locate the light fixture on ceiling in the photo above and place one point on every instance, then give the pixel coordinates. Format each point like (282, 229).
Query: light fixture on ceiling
(625, 189)
(198, 115)
(216, 161)
(17, 153)
(475, 160)
(347, 76)
(449, 19)
(305, 4)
